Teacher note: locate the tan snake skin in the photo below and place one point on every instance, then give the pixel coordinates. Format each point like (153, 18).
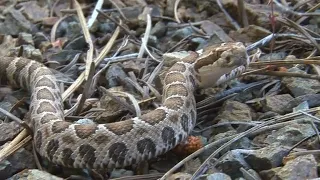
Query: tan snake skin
(106, 146)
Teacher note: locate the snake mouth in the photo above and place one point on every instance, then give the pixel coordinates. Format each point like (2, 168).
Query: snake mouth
(214, 76)
(221, 64)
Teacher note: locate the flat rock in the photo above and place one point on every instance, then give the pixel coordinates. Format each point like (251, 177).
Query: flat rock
(231, 164)
(15, 23)
(20, 160)
(267, 157)
(235, 111)
(117, 173)
(8, 131)
(218, 176)
(302, 167)
(243, 143)
(34, 174)
(290, 134)
(311, 99)
(277, 103)
(301, 86)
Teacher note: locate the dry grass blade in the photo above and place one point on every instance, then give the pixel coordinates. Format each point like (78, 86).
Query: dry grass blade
(316, 69)
(135, 84)
(100, 57)
(229, 18)
(250, 132)
(120, 25)
(288, 10)
(284, 62)
(15, 144)
(310, 10)
(86, 91)
(135, 109)
(153, 90)
(71, 63)
(242, 13)
(53, 31)
(155, 72)
(134, 101)
(95, 13)
(229, 140)
(302, 31)
(176, 4)
(149, 53)
(19, 140)
(87, 37)
(234, 139)
(314, 118)
(11, 116)
(74, 107)
(119, 10)
(283, 74)
(146, 36)
(301, 153)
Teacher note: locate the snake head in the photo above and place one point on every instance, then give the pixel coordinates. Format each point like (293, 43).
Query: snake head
(219, 64)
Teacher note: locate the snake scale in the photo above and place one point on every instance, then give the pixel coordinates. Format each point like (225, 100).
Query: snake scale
(118, 144)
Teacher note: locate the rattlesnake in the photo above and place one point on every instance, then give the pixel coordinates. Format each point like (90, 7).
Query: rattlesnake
(123, 143)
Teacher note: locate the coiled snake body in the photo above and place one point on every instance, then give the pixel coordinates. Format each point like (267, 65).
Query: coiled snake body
(121, 143)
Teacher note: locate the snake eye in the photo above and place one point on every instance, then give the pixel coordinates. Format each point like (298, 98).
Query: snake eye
(228, 59)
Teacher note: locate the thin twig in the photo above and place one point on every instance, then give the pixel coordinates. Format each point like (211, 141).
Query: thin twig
(249, 132)
(176, 16)
(304, 32)
(86, 90)
(95, 13)
(288, 10)
(242, 13)
(146, 36)
(120, 25)
(315, 60)
(118, 100)
(284, 74)
(100, 57)
(87, 37)
(229, 18)
(119, 10)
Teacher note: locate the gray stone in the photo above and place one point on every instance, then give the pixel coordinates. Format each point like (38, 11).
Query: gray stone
(8, 131)
(15, 23)
(302, 167)
(20, 160)
(182, 33)
(30, 52)
(269, 173)
(242, 143)
(267, 157)
(290, 134)
(218, 176)
(159, 29)
(277, 103)
(311, 99)
(7, 103)
(231, 163)
(117, 173)
(301, 86)
(25, 38)
(106, 27)
(34, 174)
(234, 111)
